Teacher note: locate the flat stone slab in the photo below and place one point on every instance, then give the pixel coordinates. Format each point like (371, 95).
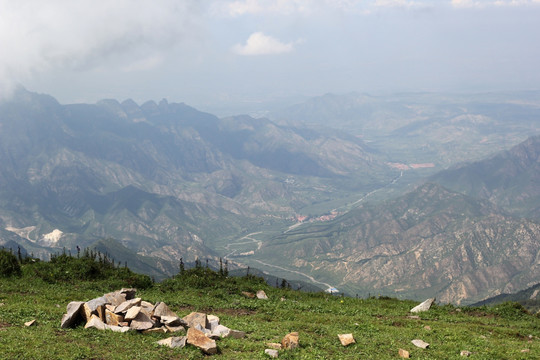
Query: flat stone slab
(198, 339)
(132, 313)
(126, 305)
(174, 342)
(162, 309)
(73, 315)
(141, 322)
(420, 343)
(424, 306)
(96, 323)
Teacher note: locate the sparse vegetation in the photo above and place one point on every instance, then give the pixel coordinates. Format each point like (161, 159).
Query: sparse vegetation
(381, 326)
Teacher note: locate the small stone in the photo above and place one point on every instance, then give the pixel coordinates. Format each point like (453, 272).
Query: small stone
(465, 353)
(420, 343)
(221, 331)
(248, 294)
(413, 317)
(175, 328)
(196, 318)
(346, 339)
(458, 310)
(132, 313)
(174, 342)
(96, 323)
(30, 323)
(271, 352)
(423, 306)
(126, 305)
(261, 295)
(525, 350)
(141, 322)
(274, 346)
(282, 299)
(73, 315)
(404, 354)
(483, 337)
(162, 309)
(198, 339)
(427, 327)
(237, 334)
(290, 341)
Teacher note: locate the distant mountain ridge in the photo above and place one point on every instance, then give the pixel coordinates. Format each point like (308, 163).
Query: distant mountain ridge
(164, 179)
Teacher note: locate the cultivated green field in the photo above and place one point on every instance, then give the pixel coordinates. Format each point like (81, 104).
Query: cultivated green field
(381, 326)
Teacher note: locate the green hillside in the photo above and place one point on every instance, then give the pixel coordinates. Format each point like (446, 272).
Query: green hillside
(381, 326)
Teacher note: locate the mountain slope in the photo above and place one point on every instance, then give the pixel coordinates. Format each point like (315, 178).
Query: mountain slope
(164, 179)
(510, 179)
(430, 242)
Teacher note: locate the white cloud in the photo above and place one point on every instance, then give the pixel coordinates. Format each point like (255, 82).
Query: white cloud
(145, 64)
(41, 36)
(261, 44)
(490, 3)
(244, 7)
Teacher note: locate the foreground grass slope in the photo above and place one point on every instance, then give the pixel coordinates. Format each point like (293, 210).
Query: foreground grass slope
(381, 326)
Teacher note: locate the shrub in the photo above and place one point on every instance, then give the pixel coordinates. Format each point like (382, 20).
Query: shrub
(9, 265)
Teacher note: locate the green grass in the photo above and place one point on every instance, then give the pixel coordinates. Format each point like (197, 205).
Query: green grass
(381, 326)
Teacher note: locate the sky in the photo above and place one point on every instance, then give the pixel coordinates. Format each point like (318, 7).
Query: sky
(205, 52)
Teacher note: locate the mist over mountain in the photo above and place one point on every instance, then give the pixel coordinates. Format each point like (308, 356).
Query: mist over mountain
(164, 179)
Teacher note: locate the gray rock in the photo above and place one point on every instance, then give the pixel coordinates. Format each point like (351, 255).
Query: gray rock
(176, 328)
(420, 343)
(221, 331)
(423, 306)
(132, 313)
(203, 330)
(196, 318)
(115, 298)
(273, 353)
(73, 315)
(129, 293)
(141, 322)
(162, 309)
(116, 328)
(174, 342)
(171, 321)
(126, 305)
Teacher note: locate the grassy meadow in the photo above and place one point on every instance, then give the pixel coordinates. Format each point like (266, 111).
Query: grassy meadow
(381, 326)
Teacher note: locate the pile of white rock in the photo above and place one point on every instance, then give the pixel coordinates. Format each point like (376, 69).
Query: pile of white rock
(121, 311)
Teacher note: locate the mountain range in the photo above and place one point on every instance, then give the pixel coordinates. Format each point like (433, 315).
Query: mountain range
(342, 191)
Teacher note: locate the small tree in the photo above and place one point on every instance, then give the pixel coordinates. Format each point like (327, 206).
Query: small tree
(9, 265)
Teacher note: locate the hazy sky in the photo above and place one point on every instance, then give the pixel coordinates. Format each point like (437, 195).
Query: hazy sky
(202, 52)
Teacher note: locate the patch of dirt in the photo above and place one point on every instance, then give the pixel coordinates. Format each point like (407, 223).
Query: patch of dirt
(4, 325)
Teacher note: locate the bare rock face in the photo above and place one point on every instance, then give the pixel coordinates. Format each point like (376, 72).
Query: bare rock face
(425, 306)
(198, 339)
(174, 342)
(196, 318)
(73, 315)
(346, 339)
(290, 341)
